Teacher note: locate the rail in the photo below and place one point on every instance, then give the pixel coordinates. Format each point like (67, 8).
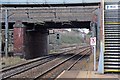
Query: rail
(11, 71)
(57, 65)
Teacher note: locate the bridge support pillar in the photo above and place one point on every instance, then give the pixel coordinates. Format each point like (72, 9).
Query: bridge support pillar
(36, 42)
(18, 38)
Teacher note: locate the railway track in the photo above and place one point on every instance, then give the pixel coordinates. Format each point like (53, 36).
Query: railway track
(62, 50)
(80, 64)
(66, 64)
(38, 67)
(11, 71)
(19, 68)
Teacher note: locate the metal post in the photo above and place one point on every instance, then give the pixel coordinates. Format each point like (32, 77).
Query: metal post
(6, 32)
(1, 45)
(0, 38)
(94, 48)
(93, 43)
(98, 31)
(101, 57)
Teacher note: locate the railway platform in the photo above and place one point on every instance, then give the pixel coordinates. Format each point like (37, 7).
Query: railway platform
(87, 74)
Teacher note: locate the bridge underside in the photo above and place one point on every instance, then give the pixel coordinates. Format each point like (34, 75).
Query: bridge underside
(76, 15)
(41, 17)
(54, 25)
(49, 13)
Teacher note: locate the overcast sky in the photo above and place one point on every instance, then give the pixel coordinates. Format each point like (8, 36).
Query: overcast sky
(49, 1)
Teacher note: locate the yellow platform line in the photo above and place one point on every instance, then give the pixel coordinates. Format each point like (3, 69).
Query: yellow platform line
(112, 23)
(112, 71)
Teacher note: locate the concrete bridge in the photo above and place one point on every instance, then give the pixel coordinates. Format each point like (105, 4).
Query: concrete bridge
(31, 23)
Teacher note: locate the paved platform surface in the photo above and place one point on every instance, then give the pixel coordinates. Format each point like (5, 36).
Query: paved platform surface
(88, 74)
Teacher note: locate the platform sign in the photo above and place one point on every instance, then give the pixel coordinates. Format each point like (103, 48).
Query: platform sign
(93, 44)
(110, 7)
(93, 41)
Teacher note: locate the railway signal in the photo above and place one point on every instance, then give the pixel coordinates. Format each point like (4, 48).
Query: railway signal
(58, 36)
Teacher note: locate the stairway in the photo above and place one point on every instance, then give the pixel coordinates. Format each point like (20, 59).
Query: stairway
(112, 41)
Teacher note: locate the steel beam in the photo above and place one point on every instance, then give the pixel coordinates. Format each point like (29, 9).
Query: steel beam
(51, 5)
(51, 8)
